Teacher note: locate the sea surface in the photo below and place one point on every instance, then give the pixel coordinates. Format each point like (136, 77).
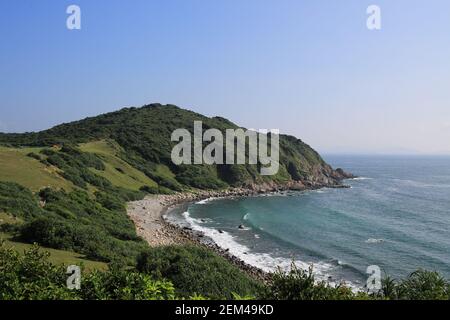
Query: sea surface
(395, 215)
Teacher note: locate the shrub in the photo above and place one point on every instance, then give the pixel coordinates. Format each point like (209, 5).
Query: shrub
(18, 201)
(419, 285)
(34, 156)
(110, 201)
(48, 232)
(194, 270)
(156, 190)
(199, 176)
(32, 277)
(150, 189)
(96, 226)
(119, 245)
(298, 284)
(125, 285)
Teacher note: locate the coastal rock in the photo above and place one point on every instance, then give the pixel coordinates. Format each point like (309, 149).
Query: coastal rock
(341, 174)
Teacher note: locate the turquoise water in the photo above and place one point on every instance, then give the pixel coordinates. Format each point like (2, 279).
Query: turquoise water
(396, 216)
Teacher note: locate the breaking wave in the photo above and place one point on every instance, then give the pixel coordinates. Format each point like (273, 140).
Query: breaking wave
(263, 261)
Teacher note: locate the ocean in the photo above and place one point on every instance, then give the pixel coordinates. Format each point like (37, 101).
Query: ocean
(396, 215)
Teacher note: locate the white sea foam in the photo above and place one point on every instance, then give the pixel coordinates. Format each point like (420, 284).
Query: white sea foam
(420, 184)
(204, 201)
(264, 261)
(372, 240)
(246, 216)
(361, 178)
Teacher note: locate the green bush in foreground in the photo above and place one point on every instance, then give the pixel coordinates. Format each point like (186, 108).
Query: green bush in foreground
(32, 277)
(299, 284)
(420, 285)
(194, 270)
(124, 285)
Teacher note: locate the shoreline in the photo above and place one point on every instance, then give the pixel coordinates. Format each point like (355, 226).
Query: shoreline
(148, 217)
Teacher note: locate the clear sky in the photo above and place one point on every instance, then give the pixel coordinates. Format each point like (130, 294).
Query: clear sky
(309, 68)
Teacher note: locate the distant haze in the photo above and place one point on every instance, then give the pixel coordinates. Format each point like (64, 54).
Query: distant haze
(309, 68)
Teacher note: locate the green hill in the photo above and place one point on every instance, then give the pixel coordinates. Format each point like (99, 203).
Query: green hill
(141, 138)
(68, 185)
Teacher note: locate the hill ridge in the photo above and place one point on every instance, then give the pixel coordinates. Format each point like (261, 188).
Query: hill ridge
(144, 134)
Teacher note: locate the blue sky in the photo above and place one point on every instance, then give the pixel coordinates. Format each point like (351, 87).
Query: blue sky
(309, 68)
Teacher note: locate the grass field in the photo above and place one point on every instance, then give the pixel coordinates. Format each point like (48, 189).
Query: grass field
(16, 166)
(117, 171)
(164, 171)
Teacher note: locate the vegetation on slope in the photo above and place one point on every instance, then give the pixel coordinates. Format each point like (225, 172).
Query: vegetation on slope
(117, 171)
(300, 284)
(143, 135)
(94, 225)
(17, 166)
(55, 256)
(32, 277)
(195, 270)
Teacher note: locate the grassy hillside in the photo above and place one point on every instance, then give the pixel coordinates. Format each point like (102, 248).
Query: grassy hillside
(69, 185)
(56, 256)
(142, 139)
(117, 171)
(16, 166)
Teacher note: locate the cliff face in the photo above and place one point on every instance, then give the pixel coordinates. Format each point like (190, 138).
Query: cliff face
(143, 139)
